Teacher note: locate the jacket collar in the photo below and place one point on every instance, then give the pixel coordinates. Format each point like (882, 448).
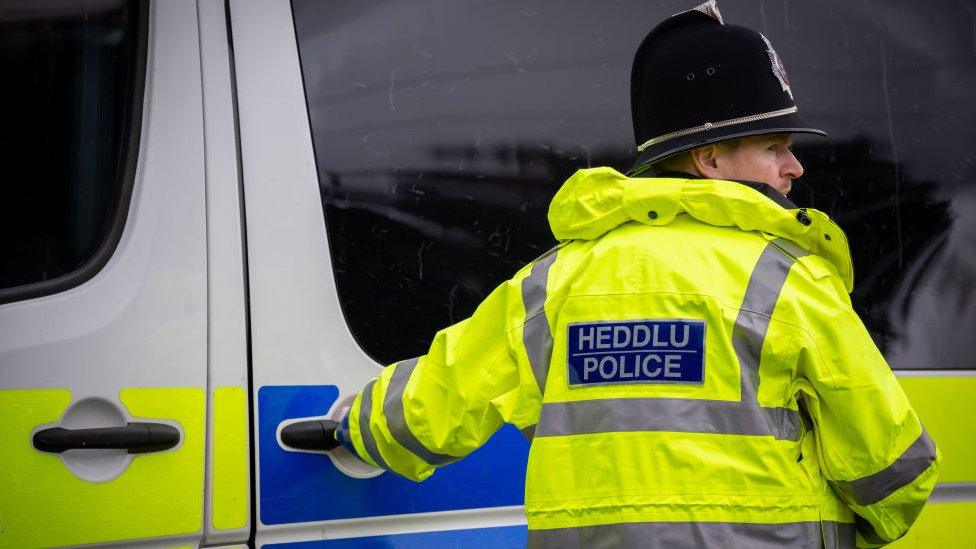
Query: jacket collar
(766, 190)
(595, 201)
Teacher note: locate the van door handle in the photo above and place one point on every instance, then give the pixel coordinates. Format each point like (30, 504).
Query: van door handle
(310, 435)
(136, 438)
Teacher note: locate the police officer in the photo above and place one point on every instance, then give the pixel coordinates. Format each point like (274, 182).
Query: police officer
(686, 363)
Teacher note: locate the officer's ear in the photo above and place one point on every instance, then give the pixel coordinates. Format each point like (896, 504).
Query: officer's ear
(705, 159)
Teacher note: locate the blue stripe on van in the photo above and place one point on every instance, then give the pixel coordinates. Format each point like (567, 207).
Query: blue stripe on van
(502, 538)
(297, 487)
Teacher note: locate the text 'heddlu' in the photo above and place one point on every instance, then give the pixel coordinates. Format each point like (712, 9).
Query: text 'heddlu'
(641, 351)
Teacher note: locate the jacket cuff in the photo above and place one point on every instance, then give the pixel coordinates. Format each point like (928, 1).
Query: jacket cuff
(343, 437)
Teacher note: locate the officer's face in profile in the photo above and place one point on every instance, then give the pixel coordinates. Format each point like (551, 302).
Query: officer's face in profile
(762, 158)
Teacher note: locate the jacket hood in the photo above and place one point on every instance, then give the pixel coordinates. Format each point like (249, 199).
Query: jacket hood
(595, 201)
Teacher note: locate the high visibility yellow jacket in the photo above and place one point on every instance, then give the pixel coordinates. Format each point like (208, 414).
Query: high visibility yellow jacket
(689, 370)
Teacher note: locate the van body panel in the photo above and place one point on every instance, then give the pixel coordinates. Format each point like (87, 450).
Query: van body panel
(127, 345)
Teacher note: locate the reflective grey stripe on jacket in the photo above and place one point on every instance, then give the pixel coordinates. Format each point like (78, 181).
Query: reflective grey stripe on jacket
(909, 465)
(365, 412)
(743, 417)
(749, 333)
(679, 535)
(679, 415)
(397, 422)
(536, 334)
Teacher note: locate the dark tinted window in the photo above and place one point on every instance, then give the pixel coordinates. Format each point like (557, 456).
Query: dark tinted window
(67, 98)
(442, 129)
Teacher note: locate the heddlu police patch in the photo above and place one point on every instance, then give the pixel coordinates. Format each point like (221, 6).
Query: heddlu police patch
(637, 351)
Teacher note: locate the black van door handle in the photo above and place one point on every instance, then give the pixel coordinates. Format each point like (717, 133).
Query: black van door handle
(310, 435)
(136, 438)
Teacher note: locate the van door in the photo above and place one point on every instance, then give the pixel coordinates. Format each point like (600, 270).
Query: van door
(304, 357)
(398, 161)
(103, 280)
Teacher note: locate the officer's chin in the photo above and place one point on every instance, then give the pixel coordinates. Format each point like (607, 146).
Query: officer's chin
(783, 188)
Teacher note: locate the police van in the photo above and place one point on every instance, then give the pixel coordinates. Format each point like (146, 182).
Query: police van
(222, 217)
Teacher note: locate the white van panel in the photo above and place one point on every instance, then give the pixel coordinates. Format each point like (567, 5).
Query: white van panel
(130, 344)
(297, 329)
(141, 321)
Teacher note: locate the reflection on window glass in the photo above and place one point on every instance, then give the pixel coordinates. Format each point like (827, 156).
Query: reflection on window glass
(67, 81)
(442, 129)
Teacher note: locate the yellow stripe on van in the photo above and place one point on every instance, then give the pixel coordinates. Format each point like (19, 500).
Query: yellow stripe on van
(229, 498)
(44, 504)
(943, 404)
(941, 525)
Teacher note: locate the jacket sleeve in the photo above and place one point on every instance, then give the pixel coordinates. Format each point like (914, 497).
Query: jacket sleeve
(873, 449)
(432, 410)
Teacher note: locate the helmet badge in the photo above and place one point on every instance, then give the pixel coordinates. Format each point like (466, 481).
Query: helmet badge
(779, 70)
(710, 9)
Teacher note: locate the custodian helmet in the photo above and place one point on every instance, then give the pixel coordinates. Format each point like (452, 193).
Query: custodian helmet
(696, 80)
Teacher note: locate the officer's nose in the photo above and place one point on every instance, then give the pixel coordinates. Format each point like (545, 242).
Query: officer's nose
(792, 167)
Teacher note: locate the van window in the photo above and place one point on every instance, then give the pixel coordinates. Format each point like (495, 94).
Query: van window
(68, 96)
(442, 130)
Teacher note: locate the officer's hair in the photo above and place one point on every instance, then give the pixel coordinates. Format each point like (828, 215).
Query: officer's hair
(680, 162)
(683, 162)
